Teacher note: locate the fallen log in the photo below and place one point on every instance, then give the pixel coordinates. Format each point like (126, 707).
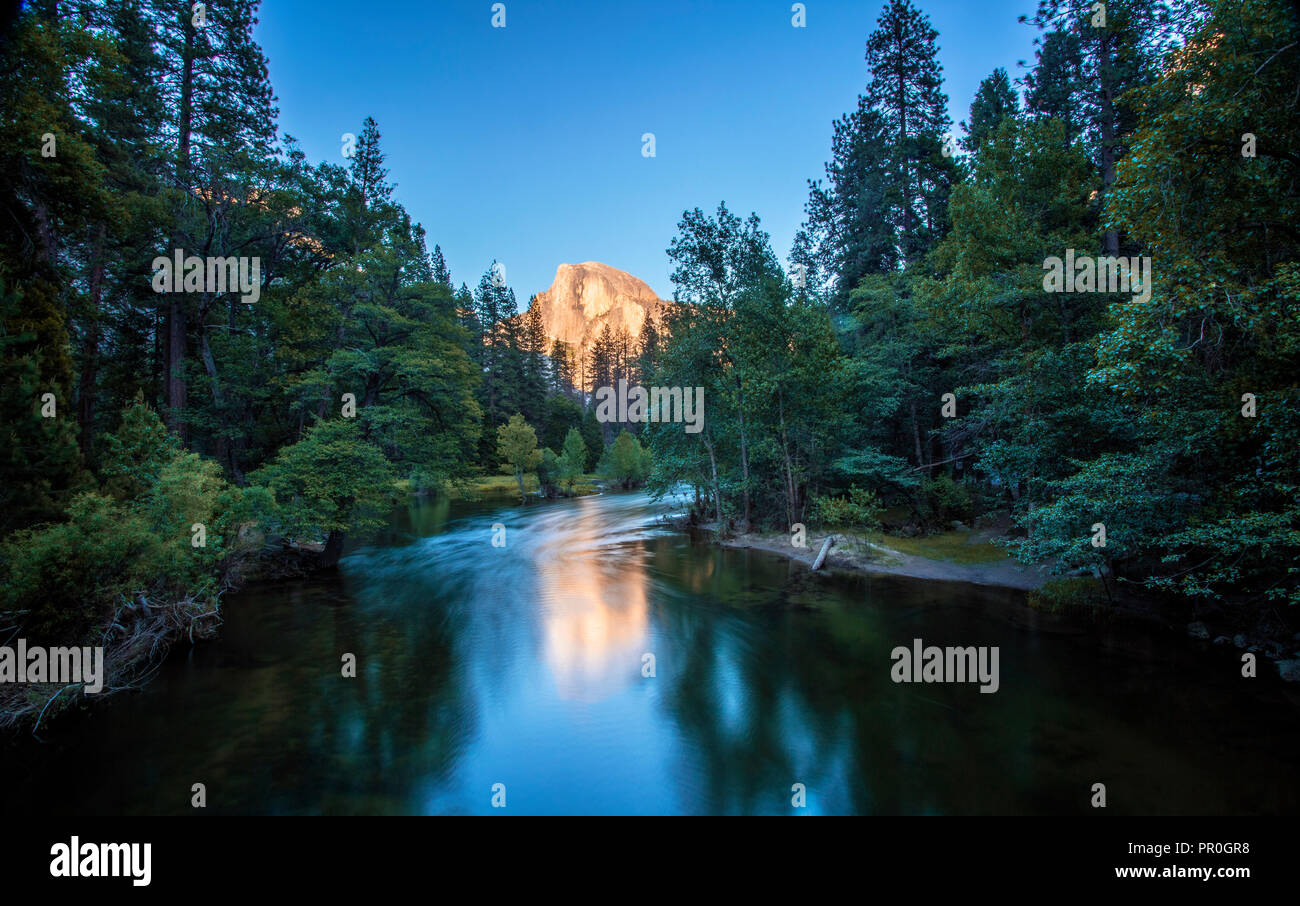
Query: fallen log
(821, 557)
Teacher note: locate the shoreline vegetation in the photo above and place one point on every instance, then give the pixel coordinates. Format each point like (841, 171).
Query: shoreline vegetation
(973, 556)
(957, 556)
(143, 632)
(145, 625)
(499, 486)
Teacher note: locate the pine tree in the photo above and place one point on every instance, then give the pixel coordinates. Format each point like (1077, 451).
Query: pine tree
(563, 367)
(216, 80)
(536, 378)
(487, 312)
(1117, 44)
(906, 89)
(441, 272)
(367, 169)
(600, 361)
(648, 346)
(42, 200)
(994, 101)
(467, 317)
(1053, 82)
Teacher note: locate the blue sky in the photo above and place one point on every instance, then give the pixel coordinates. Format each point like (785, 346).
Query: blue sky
(523, 143)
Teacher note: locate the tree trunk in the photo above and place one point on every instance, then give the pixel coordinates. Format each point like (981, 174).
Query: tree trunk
(174, 325)
(713, 466)
(1106, 41)
(86, 392)
(175, 377)
(333, 550)
(916, 436)
(222, 452)
(821, 556)
(785, 456)
(744, 455)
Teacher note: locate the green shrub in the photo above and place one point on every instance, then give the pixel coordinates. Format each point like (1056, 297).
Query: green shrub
(941, 500)
(625, 461)
(860, 509)
(549, 473)
(63, 582)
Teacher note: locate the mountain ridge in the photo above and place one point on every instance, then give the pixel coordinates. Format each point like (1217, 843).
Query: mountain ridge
(590, 297)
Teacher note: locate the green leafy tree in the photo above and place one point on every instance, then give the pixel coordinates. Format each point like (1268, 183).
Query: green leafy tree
(331, 483)
(517, 450)
(625, 461)
(573, 458)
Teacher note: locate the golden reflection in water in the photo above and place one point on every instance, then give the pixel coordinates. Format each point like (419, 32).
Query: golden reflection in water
(594, 614)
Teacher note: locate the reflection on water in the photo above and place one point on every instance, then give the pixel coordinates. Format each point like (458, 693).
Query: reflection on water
(591, 593)
(522, 665)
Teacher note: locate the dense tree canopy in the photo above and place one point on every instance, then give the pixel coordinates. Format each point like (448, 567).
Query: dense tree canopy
(955, 381)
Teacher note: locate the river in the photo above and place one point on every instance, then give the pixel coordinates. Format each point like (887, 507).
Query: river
(526, 665)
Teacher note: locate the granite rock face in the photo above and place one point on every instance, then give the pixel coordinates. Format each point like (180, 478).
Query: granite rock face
(585, 299)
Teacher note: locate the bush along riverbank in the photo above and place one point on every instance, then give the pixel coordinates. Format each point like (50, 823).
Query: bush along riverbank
(150, 543)
(980, 557)
(130, 619)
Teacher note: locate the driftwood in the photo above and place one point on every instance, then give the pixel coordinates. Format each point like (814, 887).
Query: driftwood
(135, 642)
(821, 557)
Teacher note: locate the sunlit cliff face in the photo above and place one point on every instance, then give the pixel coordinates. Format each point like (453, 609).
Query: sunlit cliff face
(594, 615)
(586, 299)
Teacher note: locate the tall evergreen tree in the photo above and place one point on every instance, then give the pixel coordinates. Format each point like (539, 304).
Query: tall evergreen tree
(215, 79)
(906, 90)
(563, 367)
(441, 272)
(994, 101)
(1111, 49)
(1052, 83)
(535, 378)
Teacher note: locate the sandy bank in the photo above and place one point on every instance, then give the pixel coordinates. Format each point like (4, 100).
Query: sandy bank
(860, 555)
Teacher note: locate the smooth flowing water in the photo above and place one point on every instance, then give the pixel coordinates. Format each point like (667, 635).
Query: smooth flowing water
(525, 665)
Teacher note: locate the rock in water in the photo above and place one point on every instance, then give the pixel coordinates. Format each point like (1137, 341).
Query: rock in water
(591, 297)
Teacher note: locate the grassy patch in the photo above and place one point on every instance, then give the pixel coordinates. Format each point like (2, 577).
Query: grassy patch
(1081, 595)
(491, 486)
(956, 547)
(586, 485)
(505, 486)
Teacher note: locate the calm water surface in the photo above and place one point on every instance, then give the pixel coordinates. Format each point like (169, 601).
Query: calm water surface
(523, 665)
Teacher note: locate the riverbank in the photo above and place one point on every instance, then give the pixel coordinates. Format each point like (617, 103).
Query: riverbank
(491, 486)
(581, 592)
(973, 557)
(951, 557)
